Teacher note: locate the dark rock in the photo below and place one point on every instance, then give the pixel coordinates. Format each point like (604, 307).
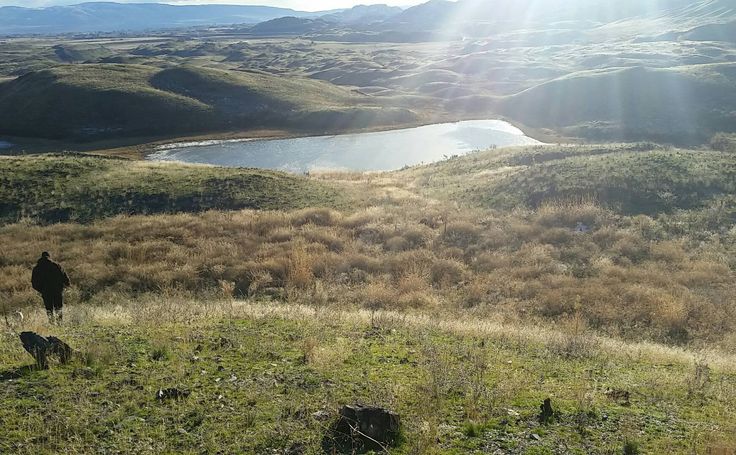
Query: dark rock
(37, 346)
(41, 348)
(60, 349)
(365, 428)
(547, 414)
(172, 394)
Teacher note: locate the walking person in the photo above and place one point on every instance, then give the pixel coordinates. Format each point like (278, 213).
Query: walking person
(49, 279)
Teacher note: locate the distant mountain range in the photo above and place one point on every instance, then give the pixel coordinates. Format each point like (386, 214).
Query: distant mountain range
(113, 17)
(436, 19)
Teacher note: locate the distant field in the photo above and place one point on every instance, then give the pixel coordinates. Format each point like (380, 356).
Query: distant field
(82, 188)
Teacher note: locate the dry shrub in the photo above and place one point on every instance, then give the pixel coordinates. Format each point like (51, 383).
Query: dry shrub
(326, 265)
(317, 217)
(370, 234)
(378, 296)
(359, 219)
(557, 236)
(460, 234)
(418, 300)
(495, 238)
(265, 223)
(705, 274)
(328, 238)
(476, 291)
(574, 340)
(396, 244)
(409, 262)
(447, 272)
(568, 213)
(524, 231)
(631, 248)
(300, 274)
(357, 261)
(413, 282)
(417, 236)
(489, 262)
(281, 235)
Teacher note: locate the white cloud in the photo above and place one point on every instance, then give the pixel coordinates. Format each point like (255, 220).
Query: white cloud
(311, 5)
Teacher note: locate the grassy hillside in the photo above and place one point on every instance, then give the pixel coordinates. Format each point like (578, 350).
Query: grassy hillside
(83, 188)
(266, 379)
(682, 104)
(442, 292)
(97, 101)
(631, 179)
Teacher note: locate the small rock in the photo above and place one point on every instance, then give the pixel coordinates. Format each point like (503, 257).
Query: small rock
(372, 427)
(535, 437)
(172, 394)
(512, 413)
(321, 415)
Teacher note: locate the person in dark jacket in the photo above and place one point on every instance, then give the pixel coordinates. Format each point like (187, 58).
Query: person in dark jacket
(49, 279)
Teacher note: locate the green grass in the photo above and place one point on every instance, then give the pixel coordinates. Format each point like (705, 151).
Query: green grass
(83, 188)
(256, 383)
(99, 101)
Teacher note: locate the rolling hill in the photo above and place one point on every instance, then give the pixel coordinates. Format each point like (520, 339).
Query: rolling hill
(89, 102)
(683, 104)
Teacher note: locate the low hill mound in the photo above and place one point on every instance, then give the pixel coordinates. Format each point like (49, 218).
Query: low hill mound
(97, 101)
(54, 188)
(632, 179)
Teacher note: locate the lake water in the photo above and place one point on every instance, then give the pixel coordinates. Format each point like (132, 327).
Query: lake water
(380, 151)
(5, 145)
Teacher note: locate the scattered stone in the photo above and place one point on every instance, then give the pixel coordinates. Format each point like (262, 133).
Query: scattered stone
(41, 348)
(513, 413)
(321, 416)
(547, 414)
(622, 397)
(363, 428)
(535, 437)
(172, 394)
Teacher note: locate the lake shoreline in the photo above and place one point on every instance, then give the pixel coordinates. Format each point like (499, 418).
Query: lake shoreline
(368, 151)
(139, 148)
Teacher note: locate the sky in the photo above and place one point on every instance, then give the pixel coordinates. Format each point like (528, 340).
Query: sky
(303, 5)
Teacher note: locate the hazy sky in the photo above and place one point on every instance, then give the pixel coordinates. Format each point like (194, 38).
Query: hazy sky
(304, 5)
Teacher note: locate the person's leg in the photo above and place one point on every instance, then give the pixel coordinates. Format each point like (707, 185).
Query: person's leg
(59, 305)
(48, 302)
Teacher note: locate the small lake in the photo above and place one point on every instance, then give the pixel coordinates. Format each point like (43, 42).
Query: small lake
(380, 151)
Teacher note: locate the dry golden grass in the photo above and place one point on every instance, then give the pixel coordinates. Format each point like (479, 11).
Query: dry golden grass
(632, 277)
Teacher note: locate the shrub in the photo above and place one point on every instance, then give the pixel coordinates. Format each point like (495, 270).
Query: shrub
(300, 274)
(460, 234)
(396, 244)
(417, 300)
(317, 217)
(447, 272)
(723, 142)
